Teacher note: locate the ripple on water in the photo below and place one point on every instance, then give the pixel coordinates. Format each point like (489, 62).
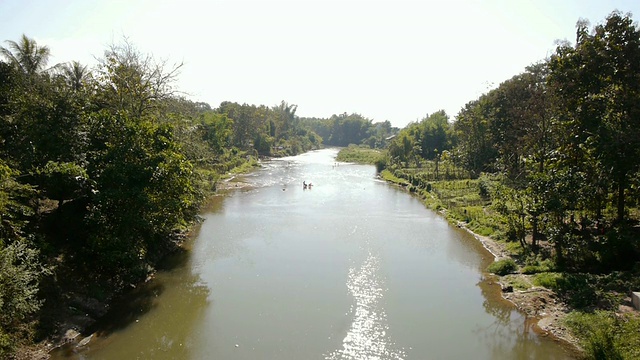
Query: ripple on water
(368, 336)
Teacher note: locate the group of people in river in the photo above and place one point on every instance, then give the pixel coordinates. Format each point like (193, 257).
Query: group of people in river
(306, 186)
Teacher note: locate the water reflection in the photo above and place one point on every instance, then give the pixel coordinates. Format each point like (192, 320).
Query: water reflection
(367, 338)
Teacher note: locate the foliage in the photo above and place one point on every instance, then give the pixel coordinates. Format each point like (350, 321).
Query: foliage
(430, 139)
(20, 272)
(345, 129)
(131, 82)
(606, 335)
(538, 265)
(62, 181)
(547, 279)
(26, 55)
(503, 267)
(143, 191)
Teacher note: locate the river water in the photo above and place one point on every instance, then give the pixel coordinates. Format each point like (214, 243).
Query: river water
(352, 268)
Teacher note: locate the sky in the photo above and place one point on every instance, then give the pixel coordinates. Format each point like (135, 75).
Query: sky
(386, 60)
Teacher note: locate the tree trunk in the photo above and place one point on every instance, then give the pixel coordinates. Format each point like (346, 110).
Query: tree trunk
(534, 233)
(621, 188)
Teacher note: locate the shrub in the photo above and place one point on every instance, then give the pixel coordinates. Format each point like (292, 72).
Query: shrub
(547, 279)
(502, 267)
(539, 267)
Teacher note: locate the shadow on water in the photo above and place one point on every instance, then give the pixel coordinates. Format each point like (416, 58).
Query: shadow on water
(139, 301)
(132, 305)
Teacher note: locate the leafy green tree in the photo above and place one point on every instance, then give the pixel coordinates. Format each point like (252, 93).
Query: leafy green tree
(216, 131)
(598, 85)
(62, 181)
(144, 191)
(475, 140)
(45, 124)
(20, 267)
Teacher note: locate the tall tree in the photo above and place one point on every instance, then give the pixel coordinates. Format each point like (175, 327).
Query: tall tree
(598, 84)
(131, 82)
(75, 74)
(26, 55)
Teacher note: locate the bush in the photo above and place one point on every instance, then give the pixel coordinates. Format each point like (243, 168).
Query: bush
(502, 267)
(539, 266)
(547, 279)
(381, 163)
(20, 273)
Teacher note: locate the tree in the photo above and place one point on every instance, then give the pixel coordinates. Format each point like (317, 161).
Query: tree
(131, 82)
(474, 136)
(143, 191)
(62, 181)
(75, 75)
(26, 55)
(598, 85)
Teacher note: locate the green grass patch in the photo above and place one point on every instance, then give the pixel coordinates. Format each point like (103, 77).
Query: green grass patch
(502, 267)
(606, 335)
(518, 282)
(359, 155)
(548, 280)
(538, 266)
(514, 248)
(388, 176)
(245, 166)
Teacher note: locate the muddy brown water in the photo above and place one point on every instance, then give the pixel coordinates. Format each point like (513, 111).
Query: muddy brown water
(352, 268)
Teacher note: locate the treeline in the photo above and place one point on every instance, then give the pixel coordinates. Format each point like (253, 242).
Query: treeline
(557, 148)
(344, 129)
(102, 170)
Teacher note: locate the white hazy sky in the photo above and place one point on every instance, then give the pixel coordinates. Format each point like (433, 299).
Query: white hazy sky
(387, 60)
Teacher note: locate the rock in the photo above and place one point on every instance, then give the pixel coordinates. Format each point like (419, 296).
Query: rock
(85, 341)
(507, 289)
(69, 335)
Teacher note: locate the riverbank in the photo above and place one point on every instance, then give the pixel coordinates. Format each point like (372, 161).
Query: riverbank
(71, 318)
(540, 304)
(536, 302)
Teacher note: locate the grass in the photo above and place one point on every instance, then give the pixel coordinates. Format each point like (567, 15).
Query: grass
(359, 155)
(606, 335)
(548, 280)
(518, 282)
(538, 266)
(503, 267)
(462, 198)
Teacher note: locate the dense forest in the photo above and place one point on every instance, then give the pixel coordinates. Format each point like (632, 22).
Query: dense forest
(104, 169)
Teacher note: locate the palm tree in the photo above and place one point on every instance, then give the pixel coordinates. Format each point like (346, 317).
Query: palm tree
(75, 74)
(26, 55)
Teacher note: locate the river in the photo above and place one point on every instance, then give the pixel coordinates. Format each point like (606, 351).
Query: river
(352, 268)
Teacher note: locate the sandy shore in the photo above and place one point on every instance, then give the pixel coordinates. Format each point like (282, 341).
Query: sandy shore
(232, 183)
